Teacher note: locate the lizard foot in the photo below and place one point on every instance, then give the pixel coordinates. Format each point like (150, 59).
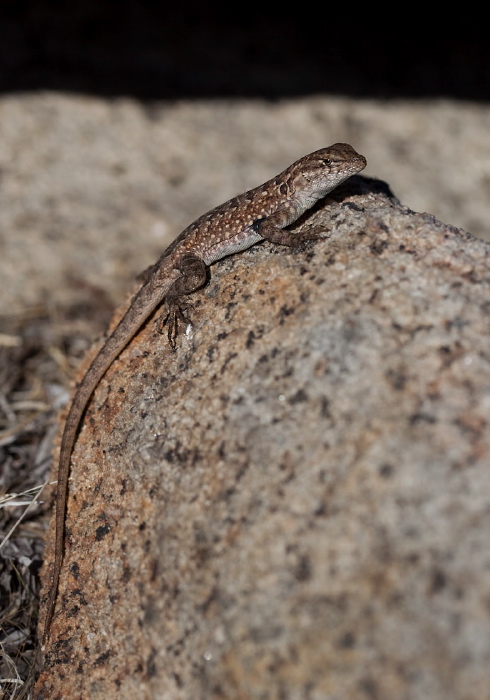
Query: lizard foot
(311, 234)
(174, 316)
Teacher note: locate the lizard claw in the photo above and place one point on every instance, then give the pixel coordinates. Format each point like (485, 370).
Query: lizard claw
(312, 234)
(173, 317)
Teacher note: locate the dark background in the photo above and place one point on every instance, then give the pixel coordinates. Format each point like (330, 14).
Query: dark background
(175, 50)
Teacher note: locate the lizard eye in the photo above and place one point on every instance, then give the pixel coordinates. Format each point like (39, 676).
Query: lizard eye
(327, 161)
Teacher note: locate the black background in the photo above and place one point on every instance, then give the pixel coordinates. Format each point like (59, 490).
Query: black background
(189, 50)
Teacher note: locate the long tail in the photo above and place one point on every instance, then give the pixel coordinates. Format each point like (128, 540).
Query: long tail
(141, 307)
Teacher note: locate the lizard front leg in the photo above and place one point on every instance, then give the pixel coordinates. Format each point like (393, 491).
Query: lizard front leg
(271, 229)
(193, 276)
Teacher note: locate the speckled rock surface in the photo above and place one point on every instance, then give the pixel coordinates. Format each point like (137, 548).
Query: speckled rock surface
(295, 504)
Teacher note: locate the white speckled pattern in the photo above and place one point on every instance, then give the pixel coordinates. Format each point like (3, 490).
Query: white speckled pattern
(230, 227)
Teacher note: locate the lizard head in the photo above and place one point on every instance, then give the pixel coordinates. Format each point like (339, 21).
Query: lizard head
(318, 173)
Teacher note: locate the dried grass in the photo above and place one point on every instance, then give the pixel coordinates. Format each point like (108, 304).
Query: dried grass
(38, 351)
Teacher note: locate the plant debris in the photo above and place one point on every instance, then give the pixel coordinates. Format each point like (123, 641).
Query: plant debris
(38, 352)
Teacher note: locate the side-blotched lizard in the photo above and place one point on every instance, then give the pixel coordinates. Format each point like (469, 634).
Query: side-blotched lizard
(261, 213)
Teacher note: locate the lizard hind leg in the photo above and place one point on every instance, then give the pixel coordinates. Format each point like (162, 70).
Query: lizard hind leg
(193, 276)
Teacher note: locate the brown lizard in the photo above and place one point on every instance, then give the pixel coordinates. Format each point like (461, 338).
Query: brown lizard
(260, 213)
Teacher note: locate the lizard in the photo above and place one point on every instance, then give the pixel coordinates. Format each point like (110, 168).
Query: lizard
(260, 213)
